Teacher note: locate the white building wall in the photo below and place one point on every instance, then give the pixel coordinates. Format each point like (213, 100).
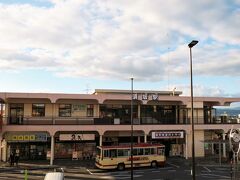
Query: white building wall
(199, 145)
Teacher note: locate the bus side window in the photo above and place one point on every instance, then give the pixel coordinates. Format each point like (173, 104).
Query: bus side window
(134, 152)
(153, 150)
(140, 151)
(147, 151)
(120, 152)
(127, 152)
(106, 153)
(123, 152)
(113, 153)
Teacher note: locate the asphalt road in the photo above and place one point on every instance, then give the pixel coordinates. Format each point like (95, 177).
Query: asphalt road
(175, 169)
(173, 173)
(169, 172)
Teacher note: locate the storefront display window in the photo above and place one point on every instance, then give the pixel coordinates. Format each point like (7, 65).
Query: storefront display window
(64, 150)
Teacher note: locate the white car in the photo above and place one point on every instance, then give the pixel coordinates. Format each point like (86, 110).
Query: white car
(54, 176)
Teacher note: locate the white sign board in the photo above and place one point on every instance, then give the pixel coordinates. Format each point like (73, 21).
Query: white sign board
(167, 135)
(76, 137)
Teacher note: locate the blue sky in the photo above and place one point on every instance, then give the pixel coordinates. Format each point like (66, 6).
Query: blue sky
(77, 46)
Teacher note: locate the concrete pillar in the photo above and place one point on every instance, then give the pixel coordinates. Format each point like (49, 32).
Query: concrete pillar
(139, 139)
(97, 111)
(53, 112)
(52, 150)
(186, 146)
(1, 147)
(224, 145)
(145, 138)
(1, 108)
(3, 150)
(212, 144)
(139, 111)
(100, 140)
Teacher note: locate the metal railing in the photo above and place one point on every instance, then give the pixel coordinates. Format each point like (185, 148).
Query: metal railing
(84, 120)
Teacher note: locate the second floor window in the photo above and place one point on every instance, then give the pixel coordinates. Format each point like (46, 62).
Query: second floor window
(65, 110)
(38, 110)
(90, 110)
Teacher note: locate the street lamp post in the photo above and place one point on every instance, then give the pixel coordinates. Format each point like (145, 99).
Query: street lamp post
(131, 128)
(190, 45)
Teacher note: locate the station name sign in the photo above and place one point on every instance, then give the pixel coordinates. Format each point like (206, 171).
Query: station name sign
(168, 135)
(145, 96)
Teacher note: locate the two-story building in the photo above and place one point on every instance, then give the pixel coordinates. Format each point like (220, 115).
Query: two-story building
(42, 125)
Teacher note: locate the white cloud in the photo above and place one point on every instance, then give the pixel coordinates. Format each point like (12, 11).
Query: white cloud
(201, 90)
(118, 39)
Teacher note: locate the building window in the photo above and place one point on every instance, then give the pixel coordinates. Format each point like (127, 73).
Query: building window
(65, 110)
(38, 110)
(16, 113)
(90, 110)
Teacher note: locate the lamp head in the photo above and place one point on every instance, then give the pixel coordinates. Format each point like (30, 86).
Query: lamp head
(193, 43)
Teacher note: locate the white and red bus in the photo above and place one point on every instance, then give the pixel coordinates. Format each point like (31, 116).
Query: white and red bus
(119, 157)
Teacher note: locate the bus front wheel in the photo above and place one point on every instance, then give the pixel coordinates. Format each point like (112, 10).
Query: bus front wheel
(121, 167)
(154, 164)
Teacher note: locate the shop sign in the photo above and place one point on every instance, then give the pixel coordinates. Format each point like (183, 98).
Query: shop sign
(167, 134)
(26, 137)
(76, 137)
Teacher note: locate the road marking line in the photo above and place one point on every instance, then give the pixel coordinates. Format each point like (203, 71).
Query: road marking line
(215, 175)
(127, 177)
(164, 168)
(207, 169)
(173, 165)
(89, 171)
(139, 172)
(173, 170)
(155, 171)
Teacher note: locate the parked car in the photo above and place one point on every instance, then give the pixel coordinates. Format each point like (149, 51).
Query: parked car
(54, 176)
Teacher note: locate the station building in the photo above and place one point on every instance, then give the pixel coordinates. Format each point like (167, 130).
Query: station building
(52, 126)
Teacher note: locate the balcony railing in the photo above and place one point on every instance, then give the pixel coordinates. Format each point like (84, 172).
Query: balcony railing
(80, 120)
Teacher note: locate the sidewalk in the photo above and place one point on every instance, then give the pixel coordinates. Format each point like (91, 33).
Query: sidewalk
(212, 162)
(83, 166)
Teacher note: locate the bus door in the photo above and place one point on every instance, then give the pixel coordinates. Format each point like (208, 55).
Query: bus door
(161, 151)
